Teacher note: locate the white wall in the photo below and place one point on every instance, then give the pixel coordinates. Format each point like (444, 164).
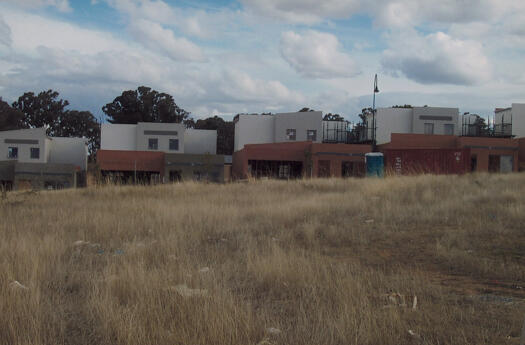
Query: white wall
(301, 122)
(69, 151)
(391, 120)
(35, 134)
(253, 129)
(437, 116)
(518, 120)
(200, 141)
(118, 137)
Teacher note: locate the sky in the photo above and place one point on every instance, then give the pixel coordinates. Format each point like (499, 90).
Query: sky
(222, 57)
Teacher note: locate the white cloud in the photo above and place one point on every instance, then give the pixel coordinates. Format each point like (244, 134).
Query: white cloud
(153, 36)
(304, 11)
(5, 33)
(61, 5)
(316, 55)
(437, 58)
(90, 76)
(387, 13)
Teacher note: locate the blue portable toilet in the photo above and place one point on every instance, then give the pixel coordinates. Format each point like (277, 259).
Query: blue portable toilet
(374, 164)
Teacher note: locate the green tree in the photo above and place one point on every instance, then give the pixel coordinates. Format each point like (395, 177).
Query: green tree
(304, 110)
(44, 109)
(333, 117)
(10, 118)
(145, 105)
(225, 132)
(47, 110)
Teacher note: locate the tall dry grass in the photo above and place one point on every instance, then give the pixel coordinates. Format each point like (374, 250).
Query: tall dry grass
(272, 262)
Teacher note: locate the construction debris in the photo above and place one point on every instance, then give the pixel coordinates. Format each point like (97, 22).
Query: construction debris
(185, 291)
(16, 285)
(398, 300)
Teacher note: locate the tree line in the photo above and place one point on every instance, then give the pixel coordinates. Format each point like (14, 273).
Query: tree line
(47, 109)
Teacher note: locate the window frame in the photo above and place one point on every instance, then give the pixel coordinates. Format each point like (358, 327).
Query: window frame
(173, 140)
(308, 138)
(289, 135)
(448, 125)
(153, 147)
(34, 149)
(10, 150)
(425, 128)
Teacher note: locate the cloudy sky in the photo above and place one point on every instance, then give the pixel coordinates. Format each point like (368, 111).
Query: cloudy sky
(226, 57)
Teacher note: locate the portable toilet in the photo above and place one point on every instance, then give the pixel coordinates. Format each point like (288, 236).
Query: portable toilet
(374, 164)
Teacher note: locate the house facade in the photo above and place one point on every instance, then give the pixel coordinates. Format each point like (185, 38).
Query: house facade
(159, 152)
(414, 120)
(294, 145)
(31, 159)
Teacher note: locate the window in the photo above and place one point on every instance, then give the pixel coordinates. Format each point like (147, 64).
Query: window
(448, 129)
(153, 144)
(35, 153)
(174, 144)
(284, 171)
(311, 135)
(429, 128)
(290, 134)
(12, 152)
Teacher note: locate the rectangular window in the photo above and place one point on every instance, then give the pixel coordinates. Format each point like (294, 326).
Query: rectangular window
(153, 144)
(35, 153)
(429, 128)
(290, 134)
(12, 152)
(448, 129)
(174, 144)
(311, 135)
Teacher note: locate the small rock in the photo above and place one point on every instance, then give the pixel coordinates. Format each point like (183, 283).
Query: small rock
(204, 270)
(273, 330)
(185, 291)
(80, 243)
(414, 334)
(16, 285)
(368, 221)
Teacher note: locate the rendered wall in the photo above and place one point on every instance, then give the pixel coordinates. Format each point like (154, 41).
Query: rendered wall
(436, 116)
(163, 132)
(69, 151)
(301, 122)
(390, 120)
(200, 141)
(254, 129)
(118, 137)
(518, 120)
(36, 135)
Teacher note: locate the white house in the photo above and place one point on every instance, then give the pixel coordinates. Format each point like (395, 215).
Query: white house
(160, 137)
(278, 128)
(31, 158)
(415, 120)
(510, 121)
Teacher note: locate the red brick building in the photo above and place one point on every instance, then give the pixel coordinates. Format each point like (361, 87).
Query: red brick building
(299, 159)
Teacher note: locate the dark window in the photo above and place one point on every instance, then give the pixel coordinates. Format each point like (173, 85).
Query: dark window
(35, 153)
(174, 144)
(449, 129)
(153, 144)
(311, 135)
(284, 171)
(473, 163)
(290, 134)
(175, 176)
(429, 128)
(12, 152)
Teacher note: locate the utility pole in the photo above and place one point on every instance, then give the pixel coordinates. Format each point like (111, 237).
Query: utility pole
(376, 90)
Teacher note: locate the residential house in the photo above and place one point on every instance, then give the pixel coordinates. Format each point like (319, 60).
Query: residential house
(31, 159)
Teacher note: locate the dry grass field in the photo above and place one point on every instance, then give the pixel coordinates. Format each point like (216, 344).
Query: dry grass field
(411, 260)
